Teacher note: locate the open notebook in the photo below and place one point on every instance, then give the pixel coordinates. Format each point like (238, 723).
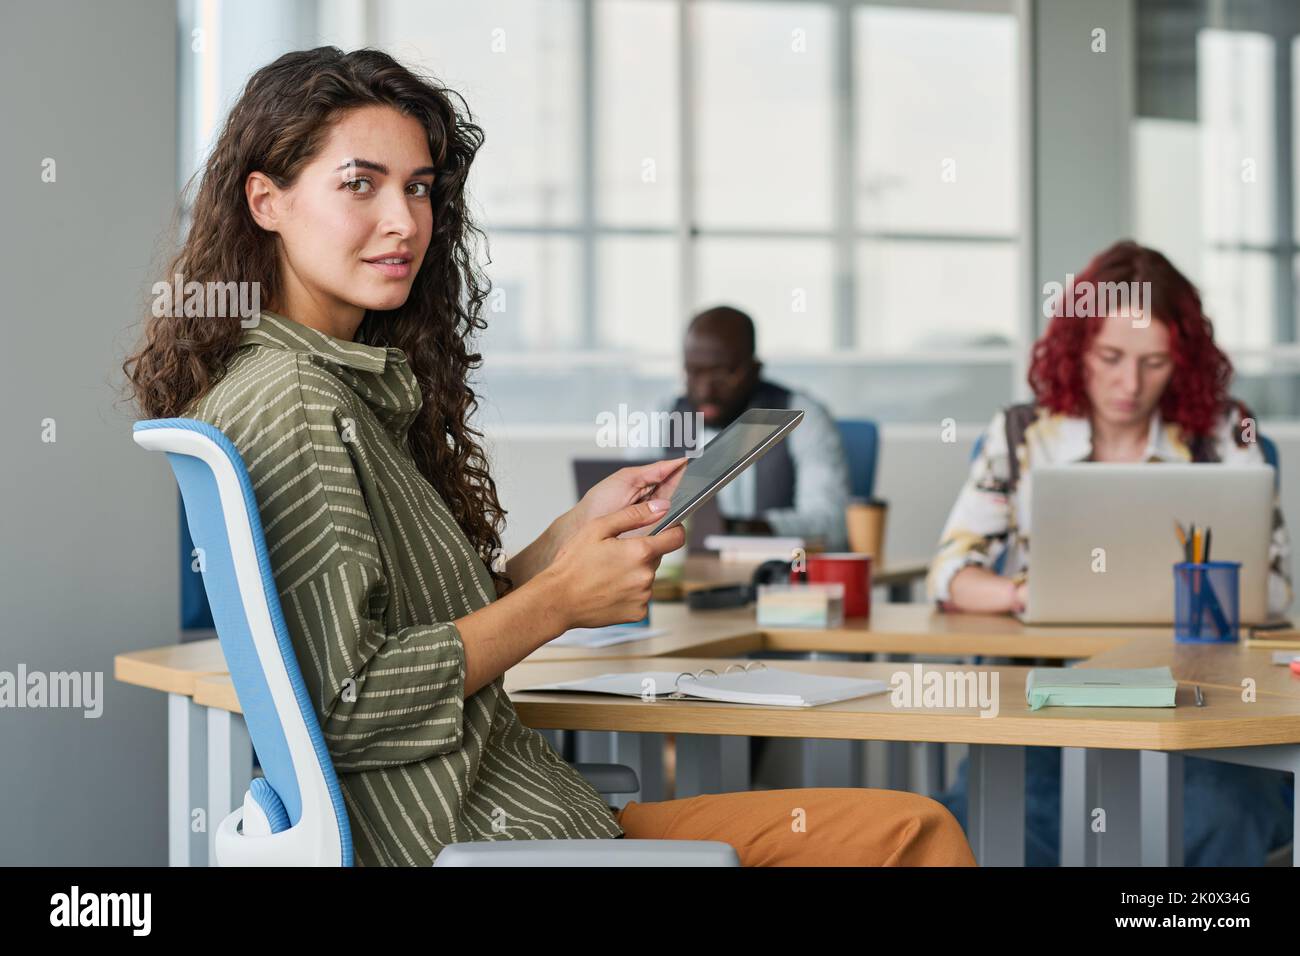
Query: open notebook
(749, 685)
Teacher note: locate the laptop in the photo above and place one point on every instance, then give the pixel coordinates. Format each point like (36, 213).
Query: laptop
(706, 520)
(1128, 511)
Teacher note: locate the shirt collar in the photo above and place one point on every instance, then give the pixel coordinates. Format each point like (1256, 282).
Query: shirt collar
(1164, 440)
(277, 332)
(382, 377)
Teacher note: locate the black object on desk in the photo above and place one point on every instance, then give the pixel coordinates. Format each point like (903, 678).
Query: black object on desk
(738, 595)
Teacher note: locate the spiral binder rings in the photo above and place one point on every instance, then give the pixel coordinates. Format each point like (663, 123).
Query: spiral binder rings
(752, 683)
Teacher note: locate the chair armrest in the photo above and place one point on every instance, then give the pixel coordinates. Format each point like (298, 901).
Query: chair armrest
(609, 777)
(588, 853)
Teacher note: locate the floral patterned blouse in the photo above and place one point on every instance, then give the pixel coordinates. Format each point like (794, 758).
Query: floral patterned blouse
(989, 523)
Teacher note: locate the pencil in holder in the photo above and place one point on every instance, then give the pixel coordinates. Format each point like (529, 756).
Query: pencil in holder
(1206, 606)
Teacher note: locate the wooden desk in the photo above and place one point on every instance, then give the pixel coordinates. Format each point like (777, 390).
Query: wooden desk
(1127, 743)
(728, 633)
(204, 742)
(1128, 762)
(920, 629)
(1225, 720)
(891, 629)
(1209, 665)
(172, 669)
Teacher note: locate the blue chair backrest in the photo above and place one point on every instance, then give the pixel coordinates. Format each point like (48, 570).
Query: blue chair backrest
(195, 613)
(281, 724)
(1269, 449)
(861, 438)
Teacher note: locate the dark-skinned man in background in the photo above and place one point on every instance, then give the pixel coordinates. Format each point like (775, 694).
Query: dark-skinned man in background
(799, 488)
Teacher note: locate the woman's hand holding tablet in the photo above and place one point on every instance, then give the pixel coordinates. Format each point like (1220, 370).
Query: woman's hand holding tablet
(599, 578)
(738, 446)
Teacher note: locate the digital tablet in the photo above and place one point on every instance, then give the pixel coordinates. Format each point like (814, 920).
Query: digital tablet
(734, 449)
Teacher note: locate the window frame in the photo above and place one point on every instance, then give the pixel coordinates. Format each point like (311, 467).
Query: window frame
(845, 234)
(203, 86)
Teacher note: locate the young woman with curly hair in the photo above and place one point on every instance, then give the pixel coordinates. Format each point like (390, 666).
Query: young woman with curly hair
(1144, 383)
(338, 185)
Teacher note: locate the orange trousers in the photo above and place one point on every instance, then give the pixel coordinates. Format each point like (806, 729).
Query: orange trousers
(816, 826)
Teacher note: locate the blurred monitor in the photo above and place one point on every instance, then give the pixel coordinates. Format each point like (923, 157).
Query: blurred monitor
(706, 520)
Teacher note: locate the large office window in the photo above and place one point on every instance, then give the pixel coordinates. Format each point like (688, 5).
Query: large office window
(936, 179)
(845, 171)
(1215, 172)
(848, 171)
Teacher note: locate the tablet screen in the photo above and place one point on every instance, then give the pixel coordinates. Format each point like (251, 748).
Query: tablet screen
(737, 447)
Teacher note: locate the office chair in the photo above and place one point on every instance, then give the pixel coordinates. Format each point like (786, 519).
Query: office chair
(861, 440)
(294, 815)
(1269, 450)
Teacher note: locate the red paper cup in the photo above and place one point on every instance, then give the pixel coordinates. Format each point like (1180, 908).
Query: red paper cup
(851, 570)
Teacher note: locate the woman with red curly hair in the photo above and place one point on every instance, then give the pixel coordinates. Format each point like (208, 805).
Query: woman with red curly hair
(1134, 385)
(1142, 382)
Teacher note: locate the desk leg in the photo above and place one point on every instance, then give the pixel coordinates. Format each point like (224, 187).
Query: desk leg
(1101, 811)
(897, 767)
(230, 768)
(708, 763)
(1161, 787)
(644, 753)
(593, 746)
(1074, 837)
(925, 767)
(830, 763)
(187, 781)
(1284, 757)
(996, 793)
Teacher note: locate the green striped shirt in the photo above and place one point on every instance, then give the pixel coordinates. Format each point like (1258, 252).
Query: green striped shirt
(372, 573)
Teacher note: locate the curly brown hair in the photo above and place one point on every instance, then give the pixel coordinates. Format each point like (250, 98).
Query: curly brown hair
(280, 122)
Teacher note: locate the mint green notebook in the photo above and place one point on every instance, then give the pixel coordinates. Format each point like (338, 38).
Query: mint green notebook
(1086, 687)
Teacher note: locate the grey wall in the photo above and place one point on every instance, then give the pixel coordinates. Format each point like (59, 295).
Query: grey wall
(88, 544)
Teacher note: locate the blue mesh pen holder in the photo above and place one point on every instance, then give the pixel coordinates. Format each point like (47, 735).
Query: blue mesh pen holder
(1206, 609)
